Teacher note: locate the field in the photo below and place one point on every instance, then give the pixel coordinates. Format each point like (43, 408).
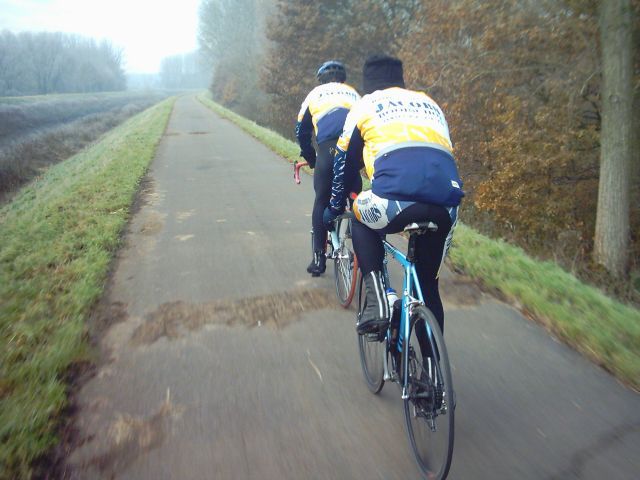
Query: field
(39, 131)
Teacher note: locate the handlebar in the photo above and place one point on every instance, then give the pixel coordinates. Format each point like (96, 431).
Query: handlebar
(296, 170)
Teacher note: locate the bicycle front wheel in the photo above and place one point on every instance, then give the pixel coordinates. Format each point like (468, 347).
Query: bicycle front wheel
(430, 406)
(371, 350)
(345, 267)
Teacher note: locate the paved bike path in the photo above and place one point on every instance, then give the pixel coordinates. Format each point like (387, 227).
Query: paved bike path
(223, 359)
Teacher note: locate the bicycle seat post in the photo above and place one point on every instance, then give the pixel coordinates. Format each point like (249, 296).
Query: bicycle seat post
(413, 230)
(411, 250)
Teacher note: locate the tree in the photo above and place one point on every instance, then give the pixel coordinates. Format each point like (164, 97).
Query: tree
(611, 247)
(231, 38)
(304, 34)
(46, 62)
(182, 71)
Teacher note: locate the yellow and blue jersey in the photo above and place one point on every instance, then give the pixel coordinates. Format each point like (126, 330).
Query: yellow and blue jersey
(402, 137)
(324, 110)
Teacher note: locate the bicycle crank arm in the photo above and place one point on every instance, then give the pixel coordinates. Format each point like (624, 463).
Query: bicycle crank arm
(387, 375)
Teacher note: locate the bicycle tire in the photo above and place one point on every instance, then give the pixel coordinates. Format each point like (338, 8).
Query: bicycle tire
(345, 266)
(434, 463)
(371, 352)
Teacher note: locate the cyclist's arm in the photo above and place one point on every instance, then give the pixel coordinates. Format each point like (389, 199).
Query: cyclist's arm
(304, 131)
(345, 161)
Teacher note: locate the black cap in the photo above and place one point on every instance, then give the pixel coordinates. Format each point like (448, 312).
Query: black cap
(380, 72)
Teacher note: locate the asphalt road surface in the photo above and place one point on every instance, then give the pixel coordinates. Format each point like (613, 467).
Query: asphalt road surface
(224, 359)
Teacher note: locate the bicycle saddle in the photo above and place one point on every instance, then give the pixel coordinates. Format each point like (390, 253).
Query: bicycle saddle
(421, 227)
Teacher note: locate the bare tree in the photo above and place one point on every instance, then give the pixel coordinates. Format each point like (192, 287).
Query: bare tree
(232, 39)
(45, 62)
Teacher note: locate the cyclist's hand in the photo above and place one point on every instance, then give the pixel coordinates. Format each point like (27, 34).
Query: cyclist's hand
(328, 217)
(310, 157)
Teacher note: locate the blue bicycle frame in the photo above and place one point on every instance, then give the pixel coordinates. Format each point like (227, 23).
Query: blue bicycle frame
(411, 296)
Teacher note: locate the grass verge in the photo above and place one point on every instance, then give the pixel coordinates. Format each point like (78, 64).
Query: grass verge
(602, 328)
(273, 140)
(57, 238)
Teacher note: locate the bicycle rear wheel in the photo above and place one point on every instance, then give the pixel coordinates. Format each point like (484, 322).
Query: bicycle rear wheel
(345, 266)
(430, 406)
(371, 350)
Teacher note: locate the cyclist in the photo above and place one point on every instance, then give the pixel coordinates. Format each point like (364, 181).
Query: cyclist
(323, 111)
(403, 138)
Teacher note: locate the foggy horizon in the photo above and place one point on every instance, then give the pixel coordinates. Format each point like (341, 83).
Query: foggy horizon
(146, 31)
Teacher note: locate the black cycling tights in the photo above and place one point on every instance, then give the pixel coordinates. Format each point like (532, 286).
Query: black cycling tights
(429, 249)
(322, 178)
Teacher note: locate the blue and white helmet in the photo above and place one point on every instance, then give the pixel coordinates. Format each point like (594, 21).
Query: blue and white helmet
(331, 71)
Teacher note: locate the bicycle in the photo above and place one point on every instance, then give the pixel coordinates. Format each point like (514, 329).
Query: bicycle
(396, 355)
(340, 250)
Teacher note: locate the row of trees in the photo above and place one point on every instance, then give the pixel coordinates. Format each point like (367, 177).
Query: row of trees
(232, 39)
(523, 83)
(183, 71)
(46, 62)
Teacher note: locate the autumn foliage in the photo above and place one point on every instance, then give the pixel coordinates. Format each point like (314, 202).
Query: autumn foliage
(520, 87)
(519, 82)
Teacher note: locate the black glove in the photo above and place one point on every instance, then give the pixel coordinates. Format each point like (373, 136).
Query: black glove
(328, 217)
(310, 157)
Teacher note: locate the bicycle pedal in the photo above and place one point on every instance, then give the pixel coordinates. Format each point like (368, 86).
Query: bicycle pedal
(392, 377)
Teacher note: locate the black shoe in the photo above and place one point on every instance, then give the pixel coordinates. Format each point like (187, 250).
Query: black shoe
(318, 265)
(375, 317)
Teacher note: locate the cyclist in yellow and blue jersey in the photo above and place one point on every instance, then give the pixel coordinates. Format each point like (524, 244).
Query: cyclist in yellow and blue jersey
(323, 112)
(402, 137)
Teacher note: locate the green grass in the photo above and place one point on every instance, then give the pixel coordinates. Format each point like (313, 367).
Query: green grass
(57, 239)
(277, 143)
(603, 329)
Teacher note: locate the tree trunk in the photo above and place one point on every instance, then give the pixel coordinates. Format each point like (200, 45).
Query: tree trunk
(611, 247)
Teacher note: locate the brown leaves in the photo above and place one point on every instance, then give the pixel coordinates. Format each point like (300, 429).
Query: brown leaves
(509, 76)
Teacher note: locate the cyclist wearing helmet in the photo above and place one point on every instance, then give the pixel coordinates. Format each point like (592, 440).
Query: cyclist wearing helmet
(323, 112)
(403, 138)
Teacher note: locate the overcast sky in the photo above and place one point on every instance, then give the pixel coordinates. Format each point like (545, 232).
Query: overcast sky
(147, 30)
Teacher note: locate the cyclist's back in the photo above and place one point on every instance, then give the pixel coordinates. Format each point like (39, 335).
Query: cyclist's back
(407, 151)
(326, 108)
(323, 112)
(403, 139)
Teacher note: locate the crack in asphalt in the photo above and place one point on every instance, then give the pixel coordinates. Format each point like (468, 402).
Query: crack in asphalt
(173, 319)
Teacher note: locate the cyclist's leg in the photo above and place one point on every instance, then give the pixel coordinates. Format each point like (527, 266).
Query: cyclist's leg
(367, 244)
(371, 214)
(368, 247)
(430, 249)
(322, 177)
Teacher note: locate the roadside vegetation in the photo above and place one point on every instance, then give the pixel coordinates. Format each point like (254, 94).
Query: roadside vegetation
(598, 326)
(39, 131)
(57, 238)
